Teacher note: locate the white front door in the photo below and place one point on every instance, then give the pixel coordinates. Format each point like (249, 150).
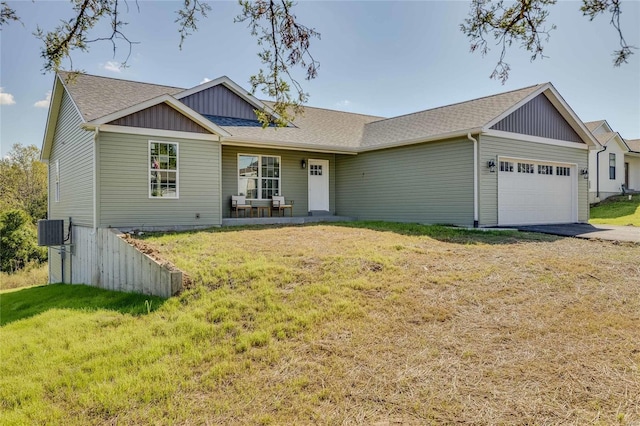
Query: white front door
(318, 171)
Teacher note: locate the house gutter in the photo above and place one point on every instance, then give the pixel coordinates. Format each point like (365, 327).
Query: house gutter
(475, 179)
(598, 171)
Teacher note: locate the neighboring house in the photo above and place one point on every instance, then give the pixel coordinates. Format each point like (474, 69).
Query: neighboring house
(632, 165)
(132, 155)
(613, 164)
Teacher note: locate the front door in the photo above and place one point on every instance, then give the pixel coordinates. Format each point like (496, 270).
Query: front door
(318, 185)
(626, 175)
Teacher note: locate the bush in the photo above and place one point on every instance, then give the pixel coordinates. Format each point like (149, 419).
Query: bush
(18, 241)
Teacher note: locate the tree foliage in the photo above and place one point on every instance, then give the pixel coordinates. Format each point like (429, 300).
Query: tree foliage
(524, 22)
(23, 182)
(18, 241)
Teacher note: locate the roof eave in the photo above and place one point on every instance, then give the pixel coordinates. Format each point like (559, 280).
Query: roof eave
(172, 102)
(413, 141)
(265, 143)
(52, 117)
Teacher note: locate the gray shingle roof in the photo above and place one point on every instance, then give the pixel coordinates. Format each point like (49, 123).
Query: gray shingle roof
(592, 125)
(443, 120)
(99, 96)
(633, 144)
(604, 138)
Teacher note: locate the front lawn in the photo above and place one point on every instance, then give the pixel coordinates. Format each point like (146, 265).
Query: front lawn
(365, 323)
(617, 210)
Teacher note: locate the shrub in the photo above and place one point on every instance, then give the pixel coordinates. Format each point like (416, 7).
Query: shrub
(18, 241)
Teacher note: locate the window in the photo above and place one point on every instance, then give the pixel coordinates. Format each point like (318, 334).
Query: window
(258, 176)
(612, 166)
(545, 170)
(57, 180)
(526, 168)
(506, 166)
(163, 170)
(563, 171)
(315, 170)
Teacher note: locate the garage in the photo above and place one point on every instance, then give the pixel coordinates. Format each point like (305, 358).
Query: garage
(536, 192)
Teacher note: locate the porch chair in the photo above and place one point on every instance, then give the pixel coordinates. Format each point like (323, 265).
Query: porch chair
(278, 203)
(239, 202)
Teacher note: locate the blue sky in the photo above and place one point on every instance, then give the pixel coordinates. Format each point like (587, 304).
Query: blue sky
(384, 58)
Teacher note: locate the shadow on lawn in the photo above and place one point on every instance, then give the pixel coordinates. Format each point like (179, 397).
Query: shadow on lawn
(452, 234)
(442, 233)
(32, 301)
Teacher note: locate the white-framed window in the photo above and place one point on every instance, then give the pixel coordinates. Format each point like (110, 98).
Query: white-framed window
(258, 176)
(526, 168)
(506, 166)
(563, 171)
(544, 169)
(57, 182)
(612, 166)
(163, 169)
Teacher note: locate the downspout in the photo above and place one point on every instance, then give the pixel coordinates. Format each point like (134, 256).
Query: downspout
(475, 179)
(598, 171)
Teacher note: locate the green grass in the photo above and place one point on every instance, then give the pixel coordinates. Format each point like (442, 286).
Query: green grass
(360, 323)
(617, 211)
(16, 305)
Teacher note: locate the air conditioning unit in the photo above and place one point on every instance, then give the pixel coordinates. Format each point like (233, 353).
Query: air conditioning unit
(51, 232)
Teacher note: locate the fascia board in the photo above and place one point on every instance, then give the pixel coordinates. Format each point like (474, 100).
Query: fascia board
(561, 105)
(535, 139)
(52, 117)
(259, 143)
(572, 118)
(515, 106)
(172, 102)
(156, 133)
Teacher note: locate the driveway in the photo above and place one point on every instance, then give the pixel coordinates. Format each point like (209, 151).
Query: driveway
(587, 231)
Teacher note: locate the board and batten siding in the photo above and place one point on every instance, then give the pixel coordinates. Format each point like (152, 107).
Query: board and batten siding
(491, 147)
(293, 181)
(160, 116)
(219, 100)
(124, 184)
(425, 183)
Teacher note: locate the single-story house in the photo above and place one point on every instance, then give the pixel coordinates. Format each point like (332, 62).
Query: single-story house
(616, 162)
(132, 155)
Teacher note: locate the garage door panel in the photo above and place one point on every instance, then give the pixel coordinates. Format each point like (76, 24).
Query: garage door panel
(536, 198)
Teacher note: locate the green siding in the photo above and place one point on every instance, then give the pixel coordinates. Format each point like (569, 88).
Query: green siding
(293, 182)
(425, 183)
(490, 147)
(124, 183)
(73, 147)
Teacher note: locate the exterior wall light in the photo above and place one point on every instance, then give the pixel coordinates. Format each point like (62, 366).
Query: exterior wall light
(491, 164)
(303, 164)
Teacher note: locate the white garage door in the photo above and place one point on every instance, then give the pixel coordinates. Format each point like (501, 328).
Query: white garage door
(534, 192)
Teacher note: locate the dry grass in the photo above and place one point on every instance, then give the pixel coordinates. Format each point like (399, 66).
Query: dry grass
(30, 276)
(434, 332)
(344, 325)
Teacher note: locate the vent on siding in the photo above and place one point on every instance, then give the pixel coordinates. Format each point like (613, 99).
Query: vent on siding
(51, 232)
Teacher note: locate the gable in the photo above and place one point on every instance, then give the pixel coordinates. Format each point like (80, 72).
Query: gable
(160, 116)
(219, 101)
(538, 117)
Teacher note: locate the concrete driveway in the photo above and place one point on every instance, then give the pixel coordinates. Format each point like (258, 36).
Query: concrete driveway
(587, 231)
